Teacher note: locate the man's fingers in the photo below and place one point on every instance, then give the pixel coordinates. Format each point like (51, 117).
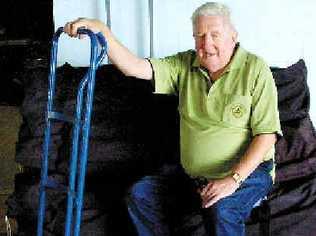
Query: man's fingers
(75, 26)
(67, 28)
(209, 195)
(71, 28)
(212, 198)
(207, 188)
(212, 201)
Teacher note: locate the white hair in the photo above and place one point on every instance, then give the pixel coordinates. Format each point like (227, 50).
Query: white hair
(211, 9)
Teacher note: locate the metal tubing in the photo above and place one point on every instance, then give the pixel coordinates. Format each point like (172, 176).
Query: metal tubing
(75, 193)
(85, 131)
(45, 161)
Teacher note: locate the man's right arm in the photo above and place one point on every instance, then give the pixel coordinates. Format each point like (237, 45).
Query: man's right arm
(124, 59)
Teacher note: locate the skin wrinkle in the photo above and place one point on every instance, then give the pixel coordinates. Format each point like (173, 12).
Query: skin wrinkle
(215, 41)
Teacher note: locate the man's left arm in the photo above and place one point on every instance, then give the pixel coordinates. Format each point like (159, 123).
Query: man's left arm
(218, 189)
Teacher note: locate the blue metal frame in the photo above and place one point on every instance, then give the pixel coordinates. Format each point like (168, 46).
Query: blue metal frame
(81, 130)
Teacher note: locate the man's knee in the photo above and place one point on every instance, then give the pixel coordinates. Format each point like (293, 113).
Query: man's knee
(223, 211)
(148, 189)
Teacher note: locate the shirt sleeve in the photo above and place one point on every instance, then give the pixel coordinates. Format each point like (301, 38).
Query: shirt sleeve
(265, 113)
(166, 74)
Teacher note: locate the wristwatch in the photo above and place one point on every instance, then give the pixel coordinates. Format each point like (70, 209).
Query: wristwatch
(237, 178)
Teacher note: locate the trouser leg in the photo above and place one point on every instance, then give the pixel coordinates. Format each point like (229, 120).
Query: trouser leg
(156, 204)
(227, 217)
(147, 206)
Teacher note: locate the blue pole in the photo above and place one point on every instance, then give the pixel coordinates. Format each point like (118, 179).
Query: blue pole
(74, 194)
(45, 161)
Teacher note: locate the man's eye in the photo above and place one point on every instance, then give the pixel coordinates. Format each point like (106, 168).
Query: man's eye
(199, 36)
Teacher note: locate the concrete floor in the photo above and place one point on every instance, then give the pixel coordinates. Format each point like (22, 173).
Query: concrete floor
(10, 121)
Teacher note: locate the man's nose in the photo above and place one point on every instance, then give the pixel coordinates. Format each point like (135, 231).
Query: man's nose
(208, 40)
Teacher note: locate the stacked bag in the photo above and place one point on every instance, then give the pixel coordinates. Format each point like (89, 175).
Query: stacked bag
(292, 203)
(127, 132)
(135, 132)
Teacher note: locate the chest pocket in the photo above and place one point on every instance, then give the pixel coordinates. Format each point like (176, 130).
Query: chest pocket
(237, 110)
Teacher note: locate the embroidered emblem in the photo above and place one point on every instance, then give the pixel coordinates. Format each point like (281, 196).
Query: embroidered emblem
(238, 110)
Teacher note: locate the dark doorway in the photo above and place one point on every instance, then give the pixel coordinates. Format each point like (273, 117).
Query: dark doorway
(26, 28)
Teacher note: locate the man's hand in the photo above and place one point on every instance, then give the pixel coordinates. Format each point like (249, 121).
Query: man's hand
(94, 25)
(217, 189)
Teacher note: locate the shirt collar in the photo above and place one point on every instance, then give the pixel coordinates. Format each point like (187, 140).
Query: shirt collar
(236, 62)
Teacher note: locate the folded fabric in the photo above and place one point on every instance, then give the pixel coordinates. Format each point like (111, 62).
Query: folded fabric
(293, 92)
(298, 142)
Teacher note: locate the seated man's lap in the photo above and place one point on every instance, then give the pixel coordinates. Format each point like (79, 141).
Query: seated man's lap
(173, 199)
(236, 208)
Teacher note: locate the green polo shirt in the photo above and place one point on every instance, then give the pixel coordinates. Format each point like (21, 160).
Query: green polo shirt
(219, 119)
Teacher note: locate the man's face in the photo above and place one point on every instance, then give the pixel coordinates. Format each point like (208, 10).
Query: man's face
(215, 40)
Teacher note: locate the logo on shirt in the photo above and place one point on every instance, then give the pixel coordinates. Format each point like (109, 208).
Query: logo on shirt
(238, 110)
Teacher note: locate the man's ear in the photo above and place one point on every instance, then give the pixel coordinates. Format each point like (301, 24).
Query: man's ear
(235, 36)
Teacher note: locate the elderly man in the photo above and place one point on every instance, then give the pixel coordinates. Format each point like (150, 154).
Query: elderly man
(228, 120)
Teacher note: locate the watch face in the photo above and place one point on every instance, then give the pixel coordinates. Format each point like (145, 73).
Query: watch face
(237, 178)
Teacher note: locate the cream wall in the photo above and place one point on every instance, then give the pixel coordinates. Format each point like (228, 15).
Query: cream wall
(280, 31)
